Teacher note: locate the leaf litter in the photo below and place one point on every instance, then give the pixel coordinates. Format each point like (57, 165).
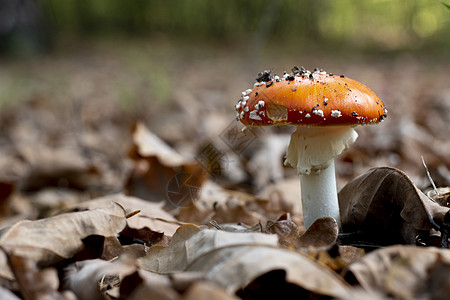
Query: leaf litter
(200, 210)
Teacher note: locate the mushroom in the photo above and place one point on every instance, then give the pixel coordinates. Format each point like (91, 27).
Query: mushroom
(325, 108)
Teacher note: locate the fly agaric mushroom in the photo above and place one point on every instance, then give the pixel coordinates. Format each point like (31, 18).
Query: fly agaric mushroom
(325, 108)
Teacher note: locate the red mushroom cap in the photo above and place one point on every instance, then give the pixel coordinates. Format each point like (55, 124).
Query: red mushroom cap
(310, 99)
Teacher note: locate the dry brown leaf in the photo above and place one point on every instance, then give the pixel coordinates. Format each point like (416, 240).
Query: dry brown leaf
(406, 272)
(143, 285)
(442, 197)
(322, 235)
(285, 194)
(56, 167)
(386, 206)
(151, 214)
(350, 254)
(6, 189)
(148, 144)
(286, 230)
(47, 241)
(35, 283)
(233, 260)
(195, 214)
(5, 271)
(160, 173)
(163, 259)
(236, 211)
(224, 206)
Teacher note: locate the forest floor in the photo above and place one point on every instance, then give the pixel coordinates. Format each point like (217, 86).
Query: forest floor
(151, 125)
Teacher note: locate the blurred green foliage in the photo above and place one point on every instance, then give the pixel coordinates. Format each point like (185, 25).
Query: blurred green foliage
(370, 24)
(446, 5)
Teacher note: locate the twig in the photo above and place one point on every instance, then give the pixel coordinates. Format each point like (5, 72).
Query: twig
(429, 177)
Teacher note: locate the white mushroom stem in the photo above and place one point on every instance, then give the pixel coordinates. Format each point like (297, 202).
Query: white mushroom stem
(312, 151)
(319, 196)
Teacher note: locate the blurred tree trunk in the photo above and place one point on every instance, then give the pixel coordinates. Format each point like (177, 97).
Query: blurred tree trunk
(22, 30)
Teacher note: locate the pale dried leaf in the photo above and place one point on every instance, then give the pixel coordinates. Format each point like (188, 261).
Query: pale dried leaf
(235, 267)
(235, 259)
(49, 240)
(187, 246)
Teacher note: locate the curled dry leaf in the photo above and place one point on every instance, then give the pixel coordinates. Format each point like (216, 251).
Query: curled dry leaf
(406, 272)
(47, 241)
(233, 260)
(322, 235)
(386, 206)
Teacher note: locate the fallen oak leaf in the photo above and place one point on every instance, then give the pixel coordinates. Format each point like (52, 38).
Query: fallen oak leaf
(233, 260)
(385, 206)
(47, 241)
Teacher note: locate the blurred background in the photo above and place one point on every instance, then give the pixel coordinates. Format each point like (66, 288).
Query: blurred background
(76, 76)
